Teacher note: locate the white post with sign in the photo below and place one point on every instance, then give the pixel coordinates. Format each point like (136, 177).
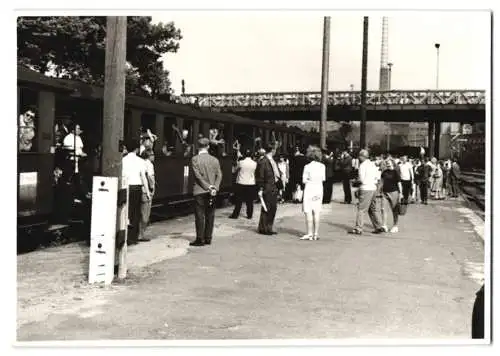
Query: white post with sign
(103, 230)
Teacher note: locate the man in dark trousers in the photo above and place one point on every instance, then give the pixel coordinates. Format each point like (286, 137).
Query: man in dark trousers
(134, 170)
(207, 179)
(346, 173)
(424, 172)
(454, 177)
(328, 161)
(267, 178)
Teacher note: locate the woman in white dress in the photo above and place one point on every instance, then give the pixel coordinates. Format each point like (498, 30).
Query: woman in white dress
(313, 177)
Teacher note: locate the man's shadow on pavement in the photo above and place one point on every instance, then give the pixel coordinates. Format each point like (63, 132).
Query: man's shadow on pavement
(280, 230)
(290, 231)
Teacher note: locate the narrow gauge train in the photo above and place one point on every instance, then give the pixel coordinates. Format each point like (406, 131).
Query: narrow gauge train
(469, 150)
(59, 103)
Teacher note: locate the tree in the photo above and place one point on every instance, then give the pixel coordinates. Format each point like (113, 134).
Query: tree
(73, 47)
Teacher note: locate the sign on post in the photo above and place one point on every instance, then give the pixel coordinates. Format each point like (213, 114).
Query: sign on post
(103, 230)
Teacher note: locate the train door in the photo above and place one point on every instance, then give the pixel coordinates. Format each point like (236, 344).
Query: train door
(35, 117)
(77, 141)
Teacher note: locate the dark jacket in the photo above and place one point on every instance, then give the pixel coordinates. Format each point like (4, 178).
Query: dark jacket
(207, 172)
(329, 163)
(424, 172)
(264, 176)
(346, 166)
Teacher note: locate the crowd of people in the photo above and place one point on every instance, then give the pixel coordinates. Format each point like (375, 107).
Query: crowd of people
(381, 184)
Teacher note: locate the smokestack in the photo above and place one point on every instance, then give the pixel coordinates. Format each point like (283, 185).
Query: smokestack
(384, 56)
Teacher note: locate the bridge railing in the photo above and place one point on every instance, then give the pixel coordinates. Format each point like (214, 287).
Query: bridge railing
(339, 98)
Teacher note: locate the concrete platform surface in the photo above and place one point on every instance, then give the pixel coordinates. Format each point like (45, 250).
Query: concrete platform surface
(418, 283)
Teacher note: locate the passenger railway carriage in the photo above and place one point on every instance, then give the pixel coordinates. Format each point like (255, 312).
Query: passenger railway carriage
(57, 103)
(469, 150)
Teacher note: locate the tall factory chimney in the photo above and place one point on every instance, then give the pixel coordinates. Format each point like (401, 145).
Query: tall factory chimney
(384, 81)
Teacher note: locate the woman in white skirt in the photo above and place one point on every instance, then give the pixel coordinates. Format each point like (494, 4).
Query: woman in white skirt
(313, 177)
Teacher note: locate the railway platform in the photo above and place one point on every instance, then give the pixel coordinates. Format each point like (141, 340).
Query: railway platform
(418, 283)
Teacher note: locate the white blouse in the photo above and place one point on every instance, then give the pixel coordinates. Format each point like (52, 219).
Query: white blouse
(314, 173)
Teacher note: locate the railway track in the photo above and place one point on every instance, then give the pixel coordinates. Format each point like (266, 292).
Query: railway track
(472, 185)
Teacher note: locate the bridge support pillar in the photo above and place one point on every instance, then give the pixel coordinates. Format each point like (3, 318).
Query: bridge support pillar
(434, 133)
(437, 139)
(431, 138)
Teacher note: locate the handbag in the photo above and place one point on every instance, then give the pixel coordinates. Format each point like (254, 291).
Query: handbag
(402, 208)
(279, 184)
(298, 194)
(356, 184)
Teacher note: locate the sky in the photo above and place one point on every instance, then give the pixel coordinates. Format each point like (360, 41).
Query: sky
(226, 52)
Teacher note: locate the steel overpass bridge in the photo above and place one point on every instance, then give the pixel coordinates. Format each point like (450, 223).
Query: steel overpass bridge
(431, 106)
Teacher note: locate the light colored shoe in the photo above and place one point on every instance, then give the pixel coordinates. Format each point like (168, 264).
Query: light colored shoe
(394, 229)
(315, 237)
(386, 229)
(307, 237)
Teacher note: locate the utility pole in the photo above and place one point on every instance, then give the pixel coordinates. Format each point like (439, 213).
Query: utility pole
(324, 81)
(362, 139)
(114, 108)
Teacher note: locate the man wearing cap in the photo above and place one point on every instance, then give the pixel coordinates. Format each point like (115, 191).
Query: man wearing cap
(368, 181)
(207, 179)
(267, 177)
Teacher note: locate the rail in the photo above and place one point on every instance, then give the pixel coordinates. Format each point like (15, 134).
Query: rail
(472, 185)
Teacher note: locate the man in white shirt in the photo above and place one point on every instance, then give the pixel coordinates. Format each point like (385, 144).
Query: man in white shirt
(134, 170)
(245, 185)
(368, 180)
(406, 174)
(73, 144)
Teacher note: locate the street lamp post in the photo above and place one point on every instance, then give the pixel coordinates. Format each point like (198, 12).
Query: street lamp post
(437, 45)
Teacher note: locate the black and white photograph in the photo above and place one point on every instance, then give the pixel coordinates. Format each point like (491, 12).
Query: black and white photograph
(253, 176)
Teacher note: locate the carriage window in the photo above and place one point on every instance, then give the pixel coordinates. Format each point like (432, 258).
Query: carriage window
(27, 120)
(217, 140)
(259, 139)
(187, 138)
(169, 136)
(148, 122)
(148, 135)
(273, 137)
(243, 138)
